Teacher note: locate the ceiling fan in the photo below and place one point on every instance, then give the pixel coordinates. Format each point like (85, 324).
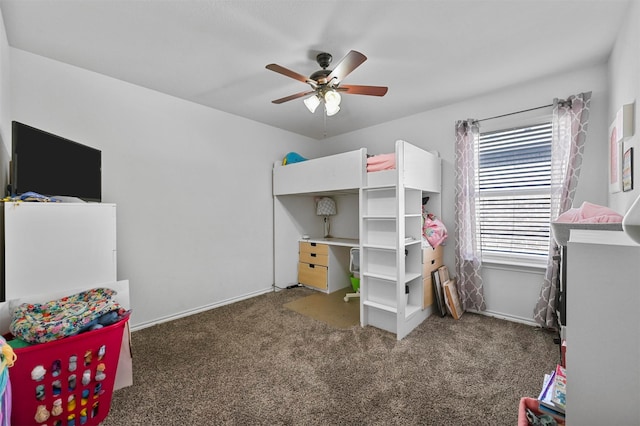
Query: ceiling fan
(327, 84)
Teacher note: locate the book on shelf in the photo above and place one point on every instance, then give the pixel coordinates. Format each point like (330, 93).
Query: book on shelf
(552, 398)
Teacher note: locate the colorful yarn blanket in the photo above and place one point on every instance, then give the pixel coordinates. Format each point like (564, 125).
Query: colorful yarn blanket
(41, 323)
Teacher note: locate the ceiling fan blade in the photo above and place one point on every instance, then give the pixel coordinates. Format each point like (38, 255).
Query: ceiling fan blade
(347, 65)
(285, 71)
(363, 90)
(292, 97)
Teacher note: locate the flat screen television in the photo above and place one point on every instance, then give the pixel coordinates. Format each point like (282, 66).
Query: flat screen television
(52, 165)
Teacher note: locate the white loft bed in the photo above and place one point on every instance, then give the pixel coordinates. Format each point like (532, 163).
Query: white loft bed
(344, 173)
(415, 168)
(294, 187)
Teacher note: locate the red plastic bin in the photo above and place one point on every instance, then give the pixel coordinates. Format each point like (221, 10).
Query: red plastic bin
(83, 394)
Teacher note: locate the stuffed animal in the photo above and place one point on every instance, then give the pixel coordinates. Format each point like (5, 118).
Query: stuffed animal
(292, 157)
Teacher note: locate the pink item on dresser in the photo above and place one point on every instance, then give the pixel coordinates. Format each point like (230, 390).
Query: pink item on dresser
(590, 213)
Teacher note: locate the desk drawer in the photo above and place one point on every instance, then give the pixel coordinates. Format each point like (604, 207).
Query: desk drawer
(307, 247)
(430, 254)
(315, 258)
(431, 260)
(312, 275)
(431, 266)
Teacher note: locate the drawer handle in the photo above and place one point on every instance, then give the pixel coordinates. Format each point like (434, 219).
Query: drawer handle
(311, 265)
(433, 261)
(313, 254)
(313, 244)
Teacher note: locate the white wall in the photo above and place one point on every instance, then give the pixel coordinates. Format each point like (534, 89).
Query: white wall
(192, 184)
(624, 81)
(5, 124)
(510, 293)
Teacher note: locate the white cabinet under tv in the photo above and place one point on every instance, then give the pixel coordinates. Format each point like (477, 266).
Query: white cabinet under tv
(57, 246)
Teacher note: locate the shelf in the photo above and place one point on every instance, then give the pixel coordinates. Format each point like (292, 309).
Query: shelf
(391, 247)
(408, 276)
(390, 278)
(379, 246)
(412, 242)
(411, 309)
(380, 306)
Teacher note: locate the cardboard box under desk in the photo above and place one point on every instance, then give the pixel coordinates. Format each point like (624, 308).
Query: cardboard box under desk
(431, 260)
(428, 292)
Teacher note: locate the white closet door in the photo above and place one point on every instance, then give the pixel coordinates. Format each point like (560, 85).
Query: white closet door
(57, 246)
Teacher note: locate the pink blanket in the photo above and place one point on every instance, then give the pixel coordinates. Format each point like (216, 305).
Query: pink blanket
(590, 213)
(381, 162)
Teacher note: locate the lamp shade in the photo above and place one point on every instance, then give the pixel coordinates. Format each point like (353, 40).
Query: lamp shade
(326, 207)
(312, 103)
(331, 109)
(332, 98)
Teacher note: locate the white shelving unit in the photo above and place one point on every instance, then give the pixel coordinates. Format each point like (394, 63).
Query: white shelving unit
(390, 246)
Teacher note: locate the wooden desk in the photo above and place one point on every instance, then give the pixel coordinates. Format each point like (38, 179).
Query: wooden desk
(323, 263)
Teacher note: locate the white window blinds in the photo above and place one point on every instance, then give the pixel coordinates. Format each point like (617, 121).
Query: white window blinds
(514, 193)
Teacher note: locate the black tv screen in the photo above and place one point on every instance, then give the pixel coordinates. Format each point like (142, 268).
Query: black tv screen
(52, 165)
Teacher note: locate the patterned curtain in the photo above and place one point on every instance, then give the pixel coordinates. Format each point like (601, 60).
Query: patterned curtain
(467, 250)
(570, 121)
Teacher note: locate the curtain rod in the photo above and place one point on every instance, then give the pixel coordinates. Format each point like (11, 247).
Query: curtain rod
(513, 113)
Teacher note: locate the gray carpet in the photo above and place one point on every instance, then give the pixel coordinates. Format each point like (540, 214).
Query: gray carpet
(257, 363)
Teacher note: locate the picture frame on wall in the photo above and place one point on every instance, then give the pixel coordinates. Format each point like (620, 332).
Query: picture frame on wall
(615, 154)
(627, 170)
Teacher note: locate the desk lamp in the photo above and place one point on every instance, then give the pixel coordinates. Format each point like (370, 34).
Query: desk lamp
(326, 207)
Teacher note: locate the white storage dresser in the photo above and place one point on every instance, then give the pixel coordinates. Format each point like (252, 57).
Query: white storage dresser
(603, 329)
(57, 246)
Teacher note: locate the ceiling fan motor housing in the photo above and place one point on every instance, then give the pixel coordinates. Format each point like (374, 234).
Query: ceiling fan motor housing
(324, 59)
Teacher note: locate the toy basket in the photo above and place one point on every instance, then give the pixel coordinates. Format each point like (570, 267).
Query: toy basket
(67, 382)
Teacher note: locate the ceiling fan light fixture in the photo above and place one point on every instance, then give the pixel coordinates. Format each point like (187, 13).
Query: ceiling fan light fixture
(312, 103)
(331, 97)
(332, 109)
(325, 82)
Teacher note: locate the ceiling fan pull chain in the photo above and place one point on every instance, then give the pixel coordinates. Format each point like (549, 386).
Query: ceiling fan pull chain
(324, 115)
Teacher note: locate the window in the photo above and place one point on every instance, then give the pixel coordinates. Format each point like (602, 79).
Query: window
(514, 182)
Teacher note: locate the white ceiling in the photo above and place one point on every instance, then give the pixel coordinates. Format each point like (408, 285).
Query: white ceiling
(429, 53)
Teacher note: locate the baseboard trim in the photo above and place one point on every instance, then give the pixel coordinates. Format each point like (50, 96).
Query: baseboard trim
(507, 317)
(199, 309)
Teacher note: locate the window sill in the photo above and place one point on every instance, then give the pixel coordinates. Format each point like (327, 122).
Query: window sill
(524, 265)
